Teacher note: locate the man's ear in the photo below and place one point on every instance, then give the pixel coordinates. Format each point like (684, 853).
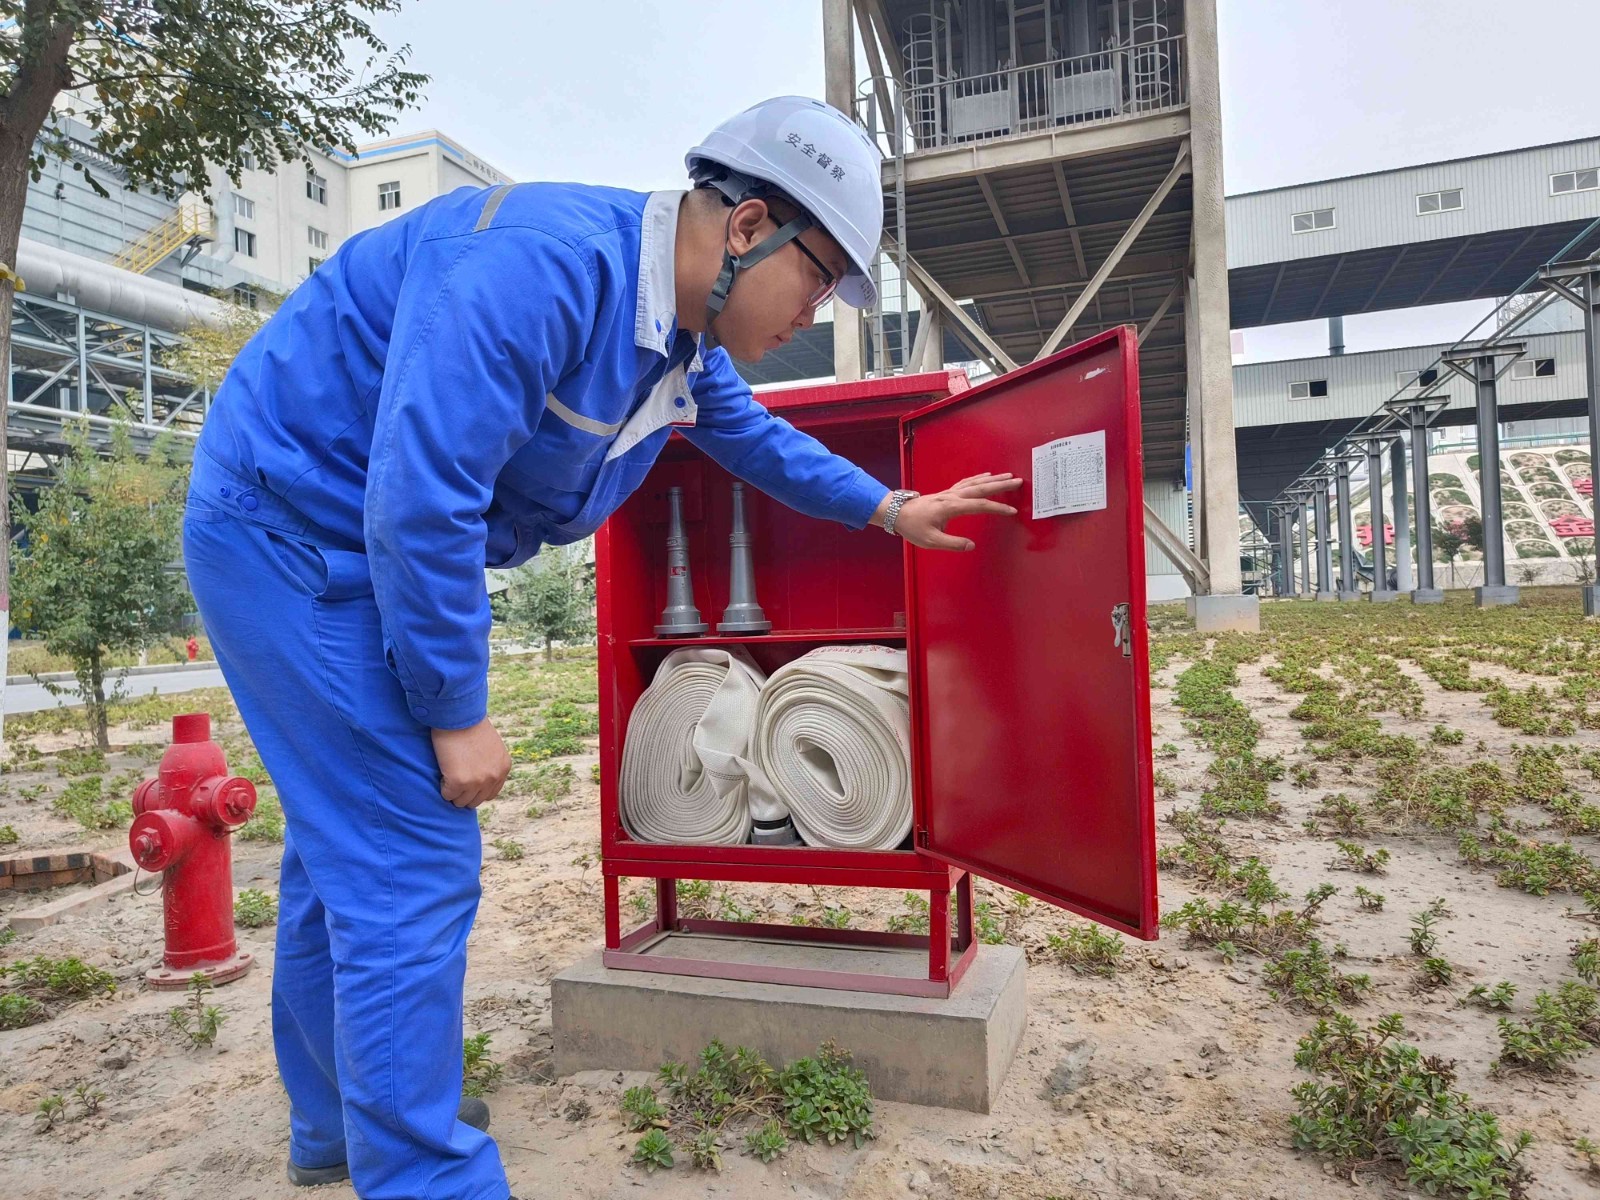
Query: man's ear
(744, 230)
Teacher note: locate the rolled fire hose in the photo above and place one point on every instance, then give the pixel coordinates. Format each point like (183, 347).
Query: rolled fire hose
(832, 741)
(684, 769)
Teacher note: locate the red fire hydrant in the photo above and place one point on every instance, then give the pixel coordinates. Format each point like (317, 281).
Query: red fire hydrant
(182, 824)
(192, 648)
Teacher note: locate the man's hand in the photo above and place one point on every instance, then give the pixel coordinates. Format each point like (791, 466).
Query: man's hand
(922, 520)
(473, 764)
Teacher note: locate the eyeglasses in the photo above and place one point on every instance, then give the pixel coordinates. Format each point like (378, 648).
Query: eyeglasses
(829, 283)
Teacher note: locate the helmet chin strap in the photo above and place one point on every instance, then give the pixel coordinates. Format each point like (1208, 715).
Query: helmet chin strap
(733, 264)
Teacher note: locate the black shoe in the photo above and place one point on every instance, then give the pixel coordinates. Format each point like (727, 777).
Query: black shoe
(473, 1111)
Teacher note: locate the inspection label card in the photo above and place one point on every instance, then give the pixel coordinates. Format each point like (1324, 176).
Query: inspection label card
(1069, 475)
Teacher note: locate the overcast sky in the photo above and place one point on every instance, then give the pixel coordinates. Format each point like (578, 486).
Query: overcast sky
(615, 91)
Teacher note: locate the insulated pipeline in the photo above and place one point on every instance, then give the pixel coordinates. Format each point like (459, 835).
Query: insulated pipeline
(684, 774)
(832, 742)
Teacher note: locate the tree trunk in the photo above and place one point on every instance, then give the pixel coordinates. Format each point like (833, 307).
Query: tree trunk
(97, 704)
(23, 110)
(549, 652)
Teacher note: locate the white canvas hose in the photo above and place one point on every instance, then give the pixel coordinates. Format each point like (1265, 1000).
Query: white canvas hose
(832, 740)
(684, 770)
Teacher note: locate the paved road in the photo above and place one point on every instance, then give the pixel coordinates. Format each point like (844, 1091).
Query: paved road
(30, 696)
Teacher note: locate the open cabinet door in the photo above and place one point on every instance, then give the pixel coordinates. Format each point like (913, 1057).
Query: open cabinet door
(1029, 665)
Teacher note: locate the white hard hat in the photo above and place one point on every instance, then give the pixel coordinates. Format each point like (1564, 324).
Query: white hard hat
(816, 156)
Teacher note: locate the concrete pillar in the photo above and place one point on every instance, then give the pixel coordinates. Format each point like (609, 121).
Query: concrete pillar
(1324, 545)
(1425, 592)
(933, 344)
(1494, 591)
(1210, 346)
(1382, 593)
(1305, 546)
(839, 90)
(1591, 345)
(1348, 589)
(1402, 516)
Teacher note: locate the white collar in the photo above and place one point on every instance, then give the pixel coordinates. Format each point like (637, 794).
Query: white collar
(655, 322)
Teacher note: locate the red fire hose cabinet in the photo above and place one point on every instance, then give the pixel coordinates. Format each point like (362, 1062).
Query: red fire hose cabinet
(1027, 657)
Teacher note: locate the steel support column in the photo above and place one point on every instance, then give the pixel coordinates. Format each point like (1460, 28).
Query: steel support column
(1495, 590)
(1402, 516)
(1285, 553)
(1305, 545)
(1425, 592)
(1382, 593)
(1324, 545)
(839, 89)
(1348, 588)
(1586, 295)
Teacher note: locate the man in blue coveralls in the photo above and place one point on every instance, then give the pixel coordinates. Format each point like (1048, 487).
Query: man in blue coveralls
(491, 373)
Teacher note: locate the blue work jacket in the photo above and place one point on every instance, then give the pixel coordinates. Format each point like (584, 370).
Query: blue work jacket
(490, 373)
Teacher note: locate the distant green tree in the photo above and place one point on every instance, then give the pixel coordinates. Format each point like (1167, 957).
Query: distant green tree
(1448, 541)
(552, 598)
(95, 578)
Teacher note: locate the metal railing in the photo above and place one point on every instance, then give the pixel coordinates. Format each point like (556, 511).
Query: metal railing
(188, 222)
(1134, 80)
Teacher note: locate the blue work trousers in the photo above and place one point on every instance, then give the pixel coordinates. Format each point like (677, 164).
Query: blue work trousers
(379, 881)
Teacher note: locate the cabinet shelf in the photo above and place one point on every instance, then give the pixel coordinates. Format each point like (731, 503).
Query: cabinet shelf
(785, 636)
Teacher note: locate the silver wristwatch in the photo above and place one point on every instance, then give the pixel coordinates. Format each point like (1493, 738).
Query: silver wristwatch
(897, 501)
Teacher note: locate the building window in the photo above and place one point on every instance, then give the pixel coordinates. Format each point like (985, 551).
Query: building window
(315, 263)
(317, 237)
(1308, 222)
(1533, 368)
(1417, 379)
(1434, 202)
(244, 207)
(1575, 181)
(246, 295)
(247, 160)
(316, 187)
(388, 196)
(244, 242)
(1308, 389)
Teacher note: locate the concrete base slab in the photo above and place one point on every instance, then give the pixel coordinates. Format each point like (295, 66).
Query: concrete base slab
(1497, 597)
(1325, 597)
(1387, 597)
(1350, 595)
(1427, 596)
(951, 1053)
(1219, 614)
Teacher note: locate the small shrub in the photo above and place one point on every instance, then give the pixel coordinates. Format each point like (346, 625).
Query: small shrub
(9, 835)
(913, 920)
(1308, 979)
(767, 1142)
(1088, 949)
(1586, 960)
(1369, 901)
(1353, 858)
(1498, 997)
(64, 977)
(81, 801)
(88, 1098)
(546, 783)
(51, 1110)
(1442, 735)
(510, 849)
(653, 1152)
(1374, 1098)
(80, 762)
(641, 1110)
(1435, 973)
(1562, 1027)
(479, 1072)
(1342, 813)
(198, 1021)
(266, 824)
(253, 908)
(18, 1011)
(1423, 938)
(1303, 775)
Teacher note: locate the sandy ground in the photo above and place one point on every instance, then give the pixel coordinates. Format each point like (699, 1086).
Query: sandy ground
(1170, 1080)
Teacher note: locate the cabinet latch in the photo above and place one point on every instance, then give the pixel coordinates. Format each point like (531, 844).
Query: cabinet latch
(1122, 630)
